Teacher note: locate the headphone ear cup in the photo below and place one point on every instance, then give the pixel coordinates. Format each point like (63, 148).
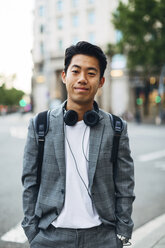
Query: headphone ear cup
(91, 118)
(70, 117)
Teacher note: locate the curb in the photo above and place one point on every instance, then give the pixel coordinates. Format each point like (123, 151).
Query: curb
(149, 234)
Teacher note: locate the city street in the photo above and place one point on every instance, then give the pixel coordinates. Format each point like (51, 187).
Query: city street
(148, 150)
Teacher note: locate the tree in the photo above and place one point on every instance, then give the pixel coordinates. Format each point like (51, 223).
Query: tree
(142, 24)
(110, 50)
(10, 97)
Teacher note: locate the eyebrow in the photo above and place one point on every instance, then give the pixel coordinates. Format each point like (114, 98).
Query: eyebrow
(89, 68)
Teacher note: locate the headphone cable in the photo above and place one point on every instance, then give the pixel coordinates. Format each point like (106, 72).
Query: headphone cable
(76, 163)
(83, 144)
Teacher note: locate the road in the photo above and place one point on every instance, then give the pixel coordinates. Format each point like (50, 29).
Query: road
(148, 150)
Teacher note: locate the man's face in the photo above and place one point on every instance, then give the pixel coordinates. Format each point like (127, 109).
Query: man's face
(82, 79)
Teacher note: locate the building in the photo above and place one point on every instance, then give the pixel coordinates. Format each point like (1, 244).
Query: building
(59, 24)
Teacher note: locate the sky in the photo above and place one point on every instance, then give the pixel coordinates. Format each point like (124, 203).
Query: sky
(16, 39)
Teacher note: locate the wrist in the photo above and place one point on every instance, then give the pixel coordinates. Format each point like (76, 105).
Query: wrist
(123, 239)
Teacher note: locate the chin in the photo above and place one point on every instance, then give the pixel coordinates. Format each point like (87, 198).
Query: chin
(82, 101)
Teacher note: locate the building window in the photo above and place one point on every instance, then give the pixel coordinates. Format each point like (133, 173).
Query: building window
(91, 1)
(42, 48)
(91, 17)
(60, 5)
(118, 36)
(60, 44)
(75, 3)
(75, 21)
(91, 37)
(42, 28)
(60, 23)
(41, 11)
(40, 67)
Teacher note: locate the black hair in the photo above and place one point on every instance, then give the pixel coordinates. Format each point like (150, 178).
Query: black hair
(86, 48)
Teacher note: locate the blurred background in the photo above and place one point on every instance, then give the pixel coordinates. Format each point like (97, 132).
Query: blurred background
(34, 36)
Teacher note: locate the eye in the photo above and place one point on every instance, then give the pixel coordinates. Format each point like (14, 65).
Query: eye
(91, 74)
(75, 71)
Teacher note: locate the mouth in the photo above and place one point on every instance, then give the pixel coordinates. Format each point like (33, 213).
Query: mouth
(81, 89)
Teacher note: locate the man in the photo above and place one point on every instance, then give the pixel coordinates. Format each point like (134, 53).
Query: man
(80, 202)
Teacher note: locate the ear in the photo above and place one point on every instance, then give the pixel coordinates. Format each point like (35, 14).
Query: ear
(101, 83)
(63, 76)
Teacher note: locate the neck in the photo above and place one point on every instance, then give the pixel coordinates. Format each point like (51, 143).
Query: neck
(79, 108)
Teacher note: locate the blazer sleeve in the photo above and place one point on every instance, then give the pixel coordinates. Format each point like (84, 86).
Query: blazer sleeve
(124, 184)
(29, 179)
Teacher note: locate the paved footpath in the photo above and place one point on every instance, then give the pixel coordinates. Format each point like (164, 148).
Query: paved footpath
(151, 235)
(160, 243)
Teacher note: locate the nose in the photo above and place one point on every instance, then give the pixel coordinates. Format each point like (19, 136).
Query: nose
(82, 78)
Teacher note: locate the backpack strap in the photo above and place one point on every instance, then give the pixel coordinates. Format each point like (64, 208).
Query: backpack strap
(118, 126)
(42, 128)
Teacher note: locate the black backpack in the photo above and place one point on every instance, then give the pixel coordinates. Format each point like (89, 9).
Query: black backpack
(42, 128)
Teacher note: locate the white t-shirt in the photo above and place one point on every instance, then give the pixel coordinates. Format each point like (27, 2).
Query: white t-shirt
(78, 210)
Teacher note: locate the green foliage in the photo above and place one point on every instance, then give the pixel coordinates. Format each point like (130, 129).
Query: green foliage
(10, 97)
(142, 24)
(111, 50)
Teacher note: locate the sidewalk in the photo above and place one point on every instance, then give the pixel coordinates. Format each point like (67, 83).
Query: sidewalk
(160, 243)
(151, 235)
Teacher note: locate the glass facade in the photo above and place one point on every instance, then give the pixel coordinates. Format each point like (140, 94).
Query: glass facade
(60, 5)
(118, 36)
(75, 20)
(91, 37)
(41, 11)
(42, 48)
(91, 17)
(42, 28)
(60, 23)
(60, 44)
(75, 3)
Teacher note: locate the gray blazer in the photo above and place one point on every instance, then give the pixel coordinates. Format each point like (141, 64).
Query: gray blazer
(112, 198)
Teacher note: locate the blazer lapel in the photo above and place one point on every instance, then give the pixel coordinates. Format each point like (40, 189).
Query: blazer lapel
(58, 140)
(94, 147)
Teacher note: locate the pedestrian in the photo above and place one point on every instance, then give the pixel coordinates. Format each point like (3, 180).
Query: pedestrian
(80, 202)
